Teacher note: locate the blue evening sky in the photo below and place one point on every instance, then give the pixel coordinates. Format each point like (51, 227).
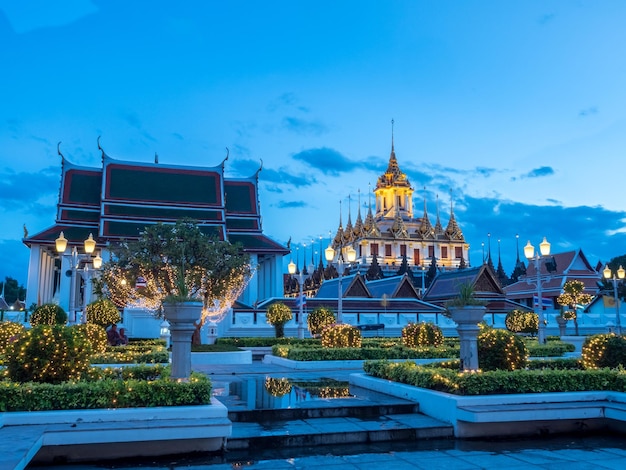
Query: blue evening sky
(515, 109)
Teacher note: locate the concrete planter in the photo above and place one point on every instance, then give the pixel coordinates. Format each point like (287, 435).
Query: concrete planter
(182, 317)
(577, 341)
(234, 357)
(467, 319)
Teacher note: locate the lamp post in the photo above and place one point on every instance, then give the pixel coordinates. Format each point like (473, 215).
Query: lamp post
(291, 267)
(330, 256)
(621, 273)
(74, 259)
(531, 255)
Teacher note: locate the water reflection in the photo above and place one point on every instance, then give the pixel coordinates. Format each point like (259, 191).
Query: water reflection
(278, 392)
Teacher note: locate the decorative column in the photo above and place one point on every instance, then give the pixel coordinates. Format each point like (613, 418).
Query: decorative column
(467, 320)
(182, 317)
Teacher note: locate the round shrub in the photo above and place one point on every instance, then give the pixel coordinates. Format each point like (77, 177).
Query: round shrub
(501, 349)
(48, 314)
(9, 332)
(341, 336)
(51, 354)
(518, 321)
(416, 335)
(605, 350)
(102, 312)
(277, 387)
(277, 315)
(96, 335)
(319, 319)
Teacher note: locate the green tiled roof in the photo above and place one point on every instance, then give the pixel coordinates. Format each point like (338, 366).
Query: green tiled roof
(82, 187)
(80, 216)
(136, 183)
(130, 229)
(240, 197)
(242, 224)
(161, 212)
(257, 243)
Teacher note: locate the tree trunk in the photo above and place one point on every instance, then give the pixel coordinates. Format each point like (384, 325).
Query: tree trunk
(280, 330)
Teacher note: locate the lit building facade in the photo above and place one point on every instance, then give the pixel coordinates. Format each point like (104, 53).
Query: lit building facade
(391, 231)
(115, 202)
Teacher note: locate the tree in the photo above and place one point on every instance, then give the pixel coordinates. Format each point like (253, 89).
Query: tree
(432, 272)
(573, 297)
(12, 290)
(374, 272)
(178, 262)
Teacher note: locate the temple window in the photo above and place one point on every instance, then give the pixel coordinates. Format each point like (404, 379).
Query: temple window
(402, 250)
(458, 252)
(431, 251)
(416, 257)
(374, 249)
(387, 250)
(444, 252)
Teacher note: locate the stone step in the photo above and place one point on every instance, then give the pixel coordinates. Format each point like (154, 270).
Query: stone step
(341, 409)
(338, 430)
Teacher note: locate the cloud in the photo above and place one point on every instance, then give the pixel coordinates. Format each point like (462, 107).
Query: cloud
(588, 111)
(599, 232)
(19, 190)
(285, 100)
(29, 16)
(327, 160)
(303, 126)
(133, 121)
(547, 18)
(539, 172)
(291, 204)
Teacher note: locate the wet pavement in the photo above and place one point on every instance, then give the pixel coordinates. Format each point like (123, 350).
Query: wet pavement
(559, 452)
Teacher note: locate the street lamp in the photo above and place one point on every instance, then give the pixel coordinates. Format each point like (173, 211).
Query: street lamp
(330, 256)
(75, 258)
(531, 255)
(620, 275)
(291, 267)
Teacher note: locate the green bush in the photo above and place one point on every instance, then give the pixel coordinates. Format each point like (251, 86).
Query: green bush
(96, 335)
(497, 381)
(318, 319)
(500, 349)
(277, 315)
(107, 389)
(9, 332)
(604, 350)
(554, 347)
(341, 336)
(102, 312)
(421, 334)
(519, 321)
(300, 353)
(47, 353)
(48, 314)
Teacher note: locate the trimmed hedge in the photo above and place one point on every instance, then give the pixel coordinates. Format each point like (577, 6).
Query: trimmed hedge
(105, 392)
(337, 354)
(499, 381)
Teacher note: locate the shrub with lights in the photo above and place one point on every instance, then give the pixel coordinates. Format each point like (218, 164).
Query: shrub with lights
(500, 349)
(519, 321)
(48, 314)
(277, 387)
(102, 312)
(318, 319)
(341, 336)
(51, 354)
(96, 335)
(605, 350)
(9, 332)
(277, 315)
(416, 335)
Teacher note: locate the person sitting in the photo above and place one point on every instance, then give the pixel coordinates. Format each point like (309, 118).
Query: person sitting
(123, 337)
(113, 336)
